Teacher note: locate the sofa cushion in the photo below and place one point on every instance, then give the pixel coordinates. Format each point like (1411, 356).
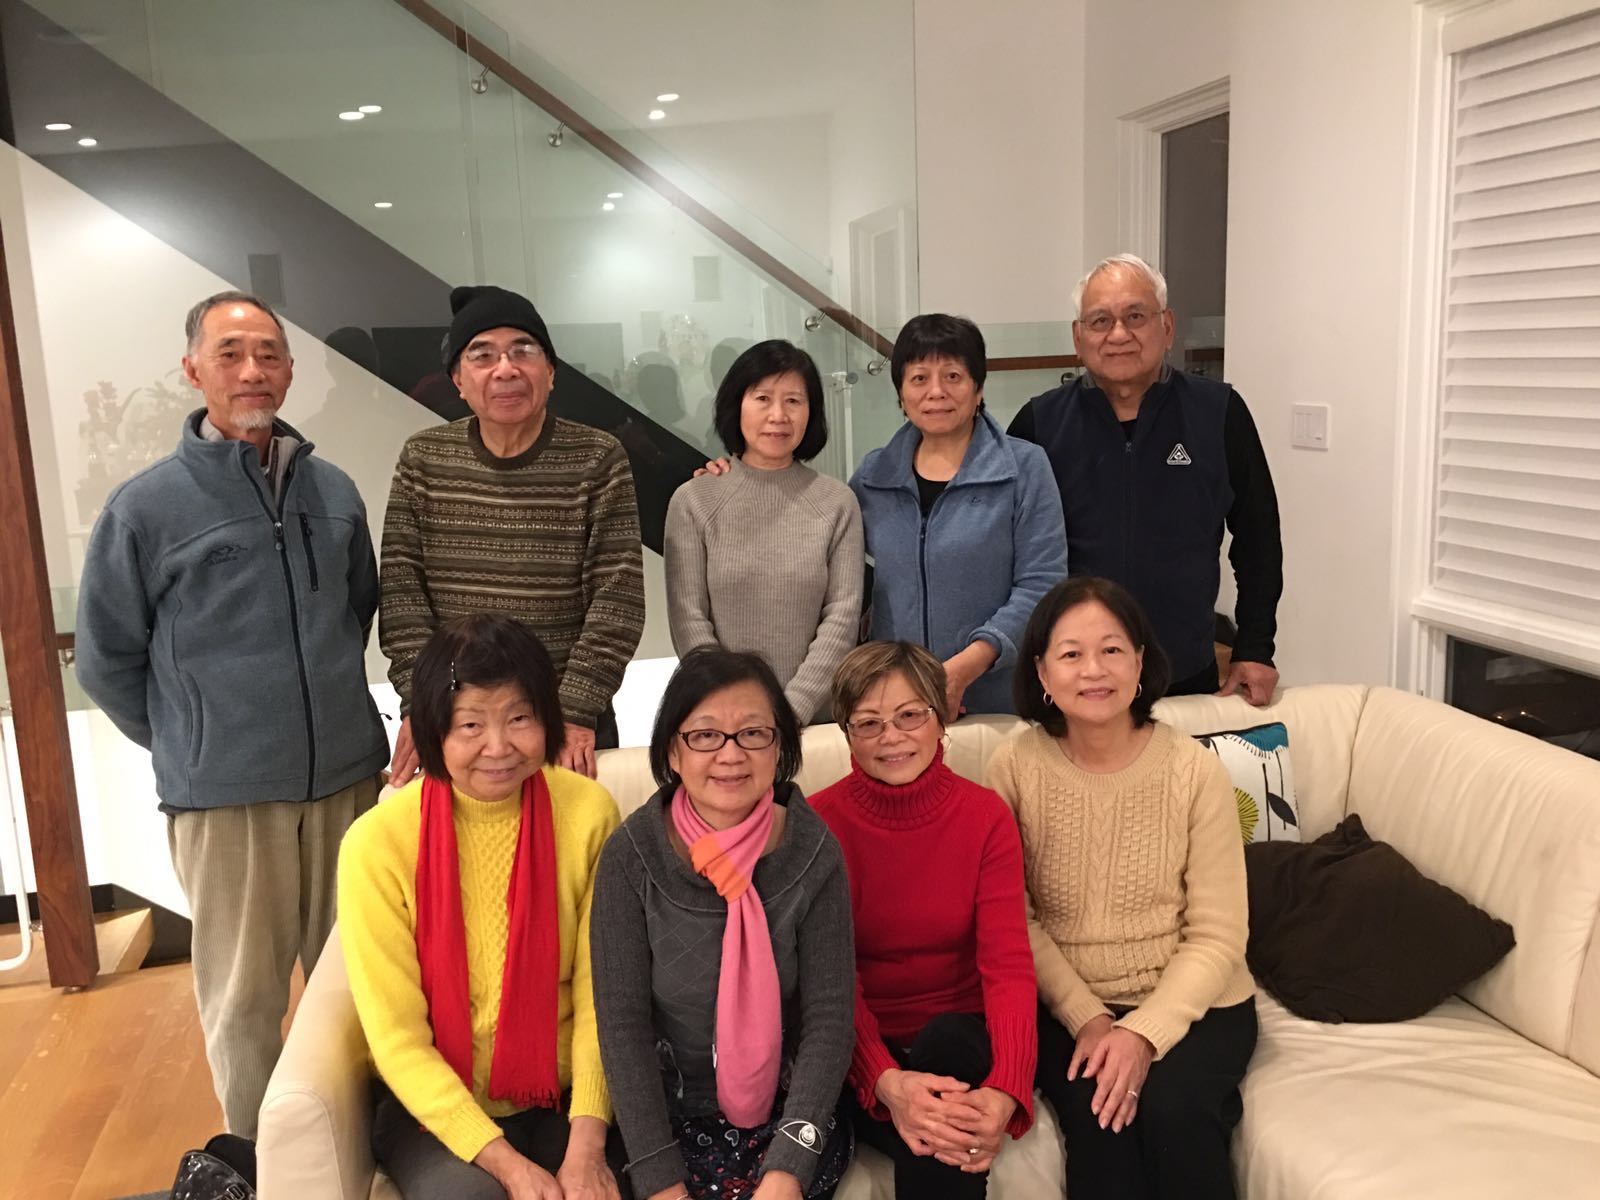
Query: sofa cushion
(1511, 823)
(1258, 764)
(1345, 929)
(1321, 720)
(1451, 1104)
(825, 755)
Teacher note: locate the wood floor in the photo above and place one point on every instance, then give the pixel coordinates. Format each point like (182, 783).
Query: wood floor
(101, 1092)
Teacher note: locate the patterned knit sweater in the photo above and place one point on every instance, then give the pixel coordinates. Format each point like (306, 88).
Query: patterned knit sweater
(549, 536)
(1135, 881)
(378, 928)
(770, 562)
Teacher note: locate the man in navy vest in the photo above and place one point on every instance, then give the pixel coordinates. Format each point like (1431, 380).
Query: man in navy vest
(1152, 463)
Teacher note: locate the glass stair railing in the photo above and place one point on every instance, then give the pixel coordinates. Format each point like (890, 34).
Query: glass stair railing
(338, 159)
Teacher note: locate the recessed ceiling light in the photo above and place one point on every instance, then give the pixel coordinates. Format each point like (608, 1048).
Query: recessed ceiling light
(666, 97)
(383, 204)
(369, 108)
(86, 142)
(58, 127)
(657, 114)
(352, 115)
(607, 206)
(613, 195)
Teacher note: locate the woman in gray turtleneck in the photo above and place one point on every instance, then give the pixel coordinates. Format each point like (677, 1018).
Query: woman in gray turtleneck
(769, 558)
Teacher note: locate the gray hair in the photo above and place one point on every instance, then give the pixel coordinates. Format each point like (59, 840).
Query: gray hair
(197, 316)
(1123, 262)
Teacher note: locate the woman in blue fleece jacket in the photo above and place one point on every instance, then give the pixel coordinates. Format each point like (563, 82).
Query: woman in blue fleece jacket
(963, 523)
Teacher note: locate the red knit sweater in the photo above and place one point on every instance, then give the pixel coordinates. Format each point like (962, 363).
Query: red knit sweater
(941, 923)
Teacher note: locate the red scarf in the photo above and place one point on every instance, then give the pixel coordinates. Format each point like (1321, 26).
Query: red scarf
(524, 1068)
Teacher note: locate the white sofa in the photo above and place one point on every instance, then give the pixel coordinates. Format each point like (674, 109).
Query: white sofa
(1493, 1094)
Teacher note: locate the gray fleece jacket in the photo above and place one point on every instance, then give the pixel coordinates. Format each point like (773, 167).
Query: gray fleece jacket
(224, 632)
(656, 950)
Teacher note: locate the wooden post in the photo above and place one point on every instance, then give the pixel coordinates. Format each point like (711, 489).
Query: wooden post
(28, 638)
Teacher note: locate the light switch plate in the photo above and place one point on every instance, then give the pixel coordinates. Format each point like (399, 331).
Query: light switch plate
(1308, 427)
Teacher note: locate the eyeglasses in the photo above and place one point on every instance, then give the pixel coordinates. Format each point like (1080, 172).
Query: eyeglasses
(1102, 323)
(708, 741)
(519, 353)
(905, 721)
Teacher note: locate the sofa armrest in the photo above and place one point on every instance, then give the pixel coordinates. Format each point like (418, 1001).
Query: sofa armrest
(315, 1136)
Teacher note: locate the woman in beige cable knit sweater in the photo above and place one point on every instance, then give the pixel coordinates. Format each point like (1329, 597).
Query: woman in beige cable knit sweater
(1135, 873)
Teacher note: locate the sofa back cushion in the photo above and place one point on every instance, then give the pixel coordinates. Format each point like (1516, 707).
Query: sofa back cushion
(826, 758)
(1513, 825)
(1321, 720)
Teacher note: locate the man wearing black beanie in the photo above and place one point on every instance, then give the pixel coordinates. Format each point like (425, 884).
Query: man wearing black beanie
(514, 511)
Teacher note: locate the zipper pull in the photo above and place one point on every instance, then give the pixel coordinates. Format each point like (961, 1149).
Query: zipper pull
(277, 533)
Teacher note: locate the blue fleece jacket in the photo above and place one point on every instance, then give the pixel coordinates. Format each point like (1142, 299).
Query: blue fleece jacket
(990, 548)
(224, 631)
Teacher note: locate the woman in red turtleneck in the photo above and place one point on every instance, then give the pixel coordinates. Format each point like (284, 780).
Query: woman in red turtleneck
(946, 1033)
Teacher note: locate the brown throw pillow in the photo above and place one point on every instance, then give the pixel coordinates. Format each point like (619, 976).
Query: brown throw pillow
(1345, 929)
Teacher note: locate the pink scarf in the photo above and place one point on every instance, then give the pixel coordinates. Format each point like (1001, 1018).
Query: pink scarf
(749, 1038)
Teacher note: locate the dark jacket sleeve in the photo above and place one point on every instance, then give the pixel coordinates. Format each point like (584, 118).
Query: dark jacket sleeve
(115, 613)
(619, 955)
(827, 971)
(1257, 549)
(1022, 424)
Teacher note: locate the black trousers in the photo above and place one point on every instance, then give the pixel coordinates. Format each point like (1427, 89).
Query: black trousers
(1202, 683)
(1177, 1147)
(955, 1044)
(423, 1169)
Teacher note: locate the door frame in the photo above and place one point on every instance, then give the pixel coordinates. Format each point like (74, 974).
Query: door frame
(1139, 162)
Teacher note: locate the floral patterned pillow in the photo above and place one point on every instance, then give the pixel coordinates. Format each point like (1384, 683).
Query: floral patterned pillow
(1257, 760)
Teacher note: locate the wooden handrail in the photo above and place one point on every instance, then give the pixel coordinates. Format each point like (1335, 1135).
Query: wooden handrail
(1036, 362)
(602, 141)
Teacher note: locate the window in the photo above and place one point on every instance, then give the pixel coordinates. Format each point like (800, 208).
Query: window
(1513, 547)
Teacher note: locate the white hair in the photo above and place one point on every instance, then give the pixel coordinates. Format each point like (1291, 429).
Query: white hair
(1123, 262)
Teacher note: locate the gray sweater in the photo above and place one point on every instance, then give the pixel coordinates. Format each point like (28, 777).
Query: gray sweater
(770, 562)
(656, 950)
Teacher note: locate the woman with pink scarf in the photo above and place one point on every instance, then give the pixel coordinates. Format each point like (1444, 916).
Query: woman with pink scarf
(722, 954)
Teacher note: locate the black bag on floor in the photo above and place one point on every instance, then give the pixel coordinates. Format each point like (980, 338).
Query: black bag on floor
(224, 1170)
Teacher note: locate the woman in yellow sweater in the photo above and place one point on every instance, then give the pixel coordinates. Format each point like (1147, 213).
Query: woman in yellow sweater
(1135, 873)
(464, 912)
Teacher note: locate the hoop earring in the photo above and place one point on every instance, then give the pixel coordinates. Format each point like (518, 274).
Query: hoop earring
(1049, 702)
(1138, 690)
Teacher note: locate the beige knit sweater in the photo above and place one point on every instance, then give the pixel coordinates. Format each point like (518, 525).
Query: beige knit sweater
(1136, 882)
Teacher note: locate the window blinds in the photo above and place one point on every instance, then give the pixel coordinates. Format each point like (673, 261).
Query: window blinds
(1518, 503)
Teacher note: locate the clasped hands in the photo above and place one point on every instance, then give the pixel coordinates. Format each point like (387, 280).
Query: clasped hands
(946, 1118)
(583, 1175)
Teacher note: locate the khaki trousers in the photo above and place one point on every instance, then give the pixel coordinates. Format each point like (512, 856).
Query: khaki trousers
(261, 884)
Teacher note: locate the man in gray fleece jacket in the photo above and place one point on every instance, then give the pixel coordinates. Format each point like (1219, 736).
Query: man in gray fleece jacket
(225, 602)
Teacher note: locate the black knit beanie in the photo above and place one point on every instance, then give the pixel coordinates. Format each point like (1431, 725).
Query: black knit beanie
(489, 307)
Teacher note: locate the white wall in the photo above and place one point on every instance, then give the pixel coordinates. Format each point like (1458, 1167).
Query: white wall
(1000, 143)
(1318, 196)
(1138, 55)
(1319, 97)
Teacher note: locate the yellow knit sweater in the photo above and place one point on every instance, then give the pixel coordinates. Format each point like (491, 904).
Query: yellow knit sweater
(377, 924)
(1136, 883)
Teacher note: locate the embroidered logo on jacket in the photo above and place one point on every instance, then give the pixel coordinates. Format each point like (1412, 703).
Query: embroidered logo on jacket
(1179, 457)
(218, 555)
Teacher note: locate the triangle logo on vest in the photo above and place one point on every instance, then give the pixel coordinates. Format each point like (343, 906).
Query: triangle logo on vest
(1179, 457)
